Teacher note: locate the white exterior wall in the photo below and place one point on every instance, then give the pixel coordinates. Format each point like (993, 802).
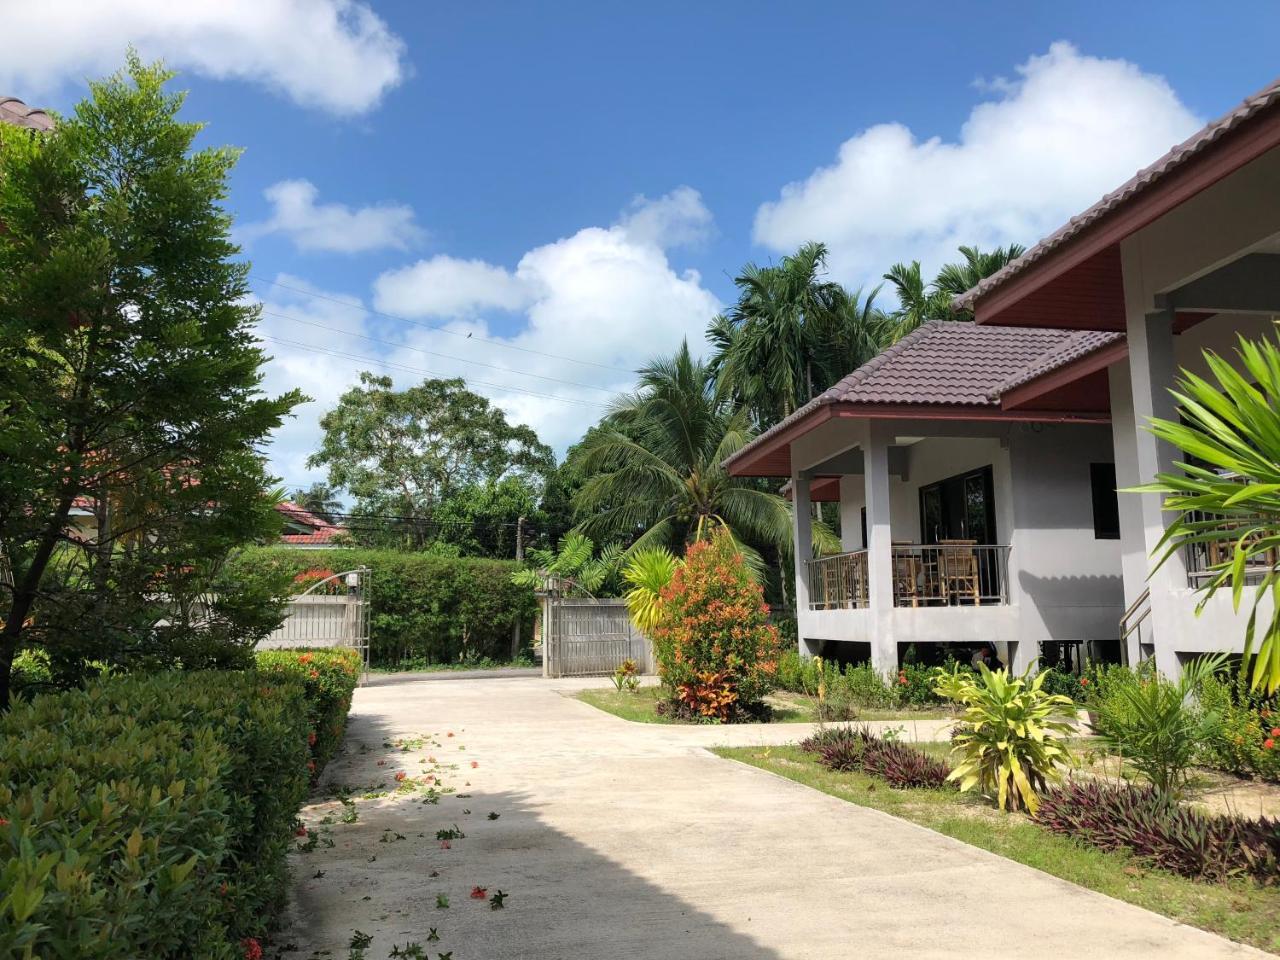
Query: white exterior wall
(1063, 584)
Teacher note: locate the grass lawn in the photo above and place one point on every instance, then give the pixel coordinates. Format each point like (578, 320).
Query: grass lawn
(642, 707)
(1240, 910)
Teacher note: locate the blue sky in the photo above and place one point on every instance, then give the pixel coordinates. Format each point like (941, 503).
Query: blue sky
(574, 184)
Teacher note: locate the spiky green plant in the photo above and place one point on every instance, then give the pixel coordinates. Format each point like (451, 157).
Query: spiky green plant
(1009, 739)
(1230, 494)
(575, 565)
(648, 572)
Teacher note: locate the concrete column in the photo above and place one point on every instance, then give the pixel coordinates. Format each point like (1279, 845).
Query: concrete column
(1152, 371)
(802, 526)
(884, 647)
(1133, 546)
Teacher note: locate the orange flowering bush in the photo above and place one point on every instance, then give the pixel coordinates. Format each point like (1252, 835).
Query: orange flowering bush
(717, 652)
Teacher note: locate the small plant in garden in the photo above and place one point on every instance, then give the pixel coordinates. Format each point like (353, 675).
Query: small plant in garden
(626, 676)
(716, 650)
(1158, 726)
(1009, 737)
(898, 764)
(1156, 828)
(453, 833)
(647, 573)
(410, 951)
(498, 901)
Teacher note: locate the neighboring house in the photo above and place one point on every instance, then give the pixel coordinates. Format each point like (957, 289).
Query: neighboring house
(1184, 256)
(997, 433)
(919, 453)
(306, 530)
(14, 111)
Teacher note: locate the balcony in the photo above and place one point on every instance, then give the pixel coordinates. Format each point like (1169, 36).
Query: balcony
(947, 574)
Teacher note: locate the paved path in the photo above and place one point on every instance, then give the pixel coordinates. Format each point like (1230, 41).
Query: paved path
(631, 841)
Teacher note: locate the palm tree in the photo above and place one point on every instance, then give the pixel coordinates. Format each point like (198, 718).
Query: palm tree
(764, 349)
(847, 332)
(320, 499)
(920, 302)
(653, 473)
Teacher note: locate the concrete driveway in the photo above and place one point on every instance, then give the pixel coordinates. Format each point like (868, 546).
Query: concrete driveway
(623, 840)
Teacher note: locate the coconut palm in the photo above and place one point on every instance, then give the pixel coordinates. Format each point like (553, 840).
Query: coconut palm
(320, 499)
(920, 302)
(653, 473)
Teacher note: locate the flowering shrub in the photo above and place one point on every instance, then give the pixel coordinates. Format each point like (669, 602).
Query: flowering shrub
(717, 652)
(328, 677)
(1247, 732)
(304, 581)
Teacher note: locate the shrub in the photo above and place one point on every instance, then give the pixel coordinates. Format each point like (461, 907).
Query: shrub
(149, 816)
(913, 686)
(1246, 738)
(432, 608)
(1063, 683)
(328, 677)
(1160, 831)
(898, 764)
(716, 650)
(1009, 737)
(1158, 727)
(647, 574)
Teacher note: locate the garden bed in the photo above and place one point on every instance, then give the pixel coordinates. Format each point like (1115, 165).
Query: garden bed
(641, 706)
(1238, 909)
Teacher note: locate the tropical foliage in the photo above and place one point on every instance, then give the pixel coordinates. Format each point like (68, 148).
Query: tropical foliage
(131, 389)
(648, 572)
(1227, 493)
(717, 652)
(1157, 725)
(653, 470)
(574, 569)
(1009, 740)
(919, 301)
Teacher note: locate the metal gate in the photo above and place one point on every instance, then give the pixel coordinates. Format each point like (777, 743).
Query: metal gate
(333, 612)
(587, 638)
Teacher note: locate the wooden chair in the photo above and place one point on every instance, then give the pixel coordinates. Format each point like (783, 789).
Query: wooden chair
(958, 571)
(906, 574)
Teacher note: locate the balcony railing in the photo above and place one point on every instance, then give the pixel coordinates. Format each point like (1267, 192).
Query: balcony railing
(946, 574)
(838, 582)
(1205, 560)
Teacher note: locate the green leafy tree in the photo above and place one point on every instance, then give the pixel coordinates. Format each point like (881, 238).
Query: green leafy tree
(320, 499)
(573, 568)
(653, 469)
(1226, 497)
(402, 454)
(130, 388)
(920, 302)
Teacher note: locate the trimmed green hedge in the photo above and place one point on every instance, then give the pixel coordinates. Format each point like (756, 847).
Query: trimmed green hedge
(328, 678)
(425, 607)
(151, 816)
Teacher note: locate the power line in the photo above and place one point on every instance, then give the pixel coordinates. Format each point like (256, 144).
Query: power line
(434, 353)
(439, 327)
(430, 373)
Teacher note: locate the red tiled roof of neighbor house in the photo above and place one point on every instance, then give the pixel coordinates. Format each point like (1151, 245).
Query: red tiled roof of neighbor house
(944, 364)
(14, 111)
(1141, 182)
(321, 530)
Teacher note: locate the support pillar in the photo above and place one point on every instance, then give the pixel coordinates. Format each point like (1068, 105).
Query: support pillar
(884, 647)
(1152, 371)
(802, 526)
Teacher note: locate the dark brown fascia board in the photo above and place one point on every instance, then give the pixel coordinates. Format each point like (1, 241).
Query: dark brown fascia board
(1217, 161)
(1061, 377)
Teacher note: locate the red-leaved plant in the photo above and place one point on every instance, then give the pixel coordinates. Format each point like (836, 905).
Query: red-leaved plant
(717, 652)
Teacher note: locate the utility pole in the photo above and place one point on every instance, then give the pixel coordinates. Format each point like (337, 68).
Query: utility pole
(515, 627)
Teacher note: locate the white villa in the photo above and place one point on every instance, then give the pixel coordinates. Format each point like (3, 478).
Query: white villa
(976, 464)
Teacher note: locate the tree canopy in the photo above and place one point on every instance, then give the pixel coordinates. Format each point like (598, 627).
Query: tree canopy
(131, 389)
(403, 454)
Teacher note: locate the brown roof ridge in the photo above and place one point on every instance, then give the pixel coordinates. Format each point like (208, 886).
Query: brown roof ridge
(1145, 177)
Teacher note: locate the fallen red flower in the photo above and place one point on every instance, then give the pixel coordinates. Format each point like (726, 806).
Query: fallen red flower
(479, 893)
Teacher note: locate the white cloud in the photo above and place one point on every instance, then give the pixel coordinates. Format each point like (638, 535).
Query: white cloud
(336, 55)
(1054, 139)
(445, 286)
(333, 227)
(602, 296)
(678, 219)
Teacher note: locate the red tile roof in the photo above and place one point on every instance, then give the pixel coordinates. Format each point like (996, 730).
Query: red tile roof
(321, 530)
(14, 111)
(1139, 182)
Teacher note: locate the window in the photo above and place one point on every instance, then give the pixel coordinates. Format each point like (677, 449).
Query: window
(1106, 505)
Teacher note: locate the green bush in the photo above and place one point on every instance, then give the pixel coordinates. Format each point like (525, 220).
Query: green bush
(328, 677)
(1063, 683)
(1246, 739)
(150, 816)
(428, 607)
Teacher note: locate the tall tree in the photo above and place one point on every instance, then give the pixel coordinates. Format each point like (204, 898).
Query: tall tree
(920, 302)
(130, 386)
(320, 499)
(653, 473)
(403, 453)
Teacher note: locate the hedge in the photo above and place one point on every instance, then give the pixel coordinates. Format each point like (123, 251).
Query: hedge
(425, 607)
(151, 816)
(328, 678)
